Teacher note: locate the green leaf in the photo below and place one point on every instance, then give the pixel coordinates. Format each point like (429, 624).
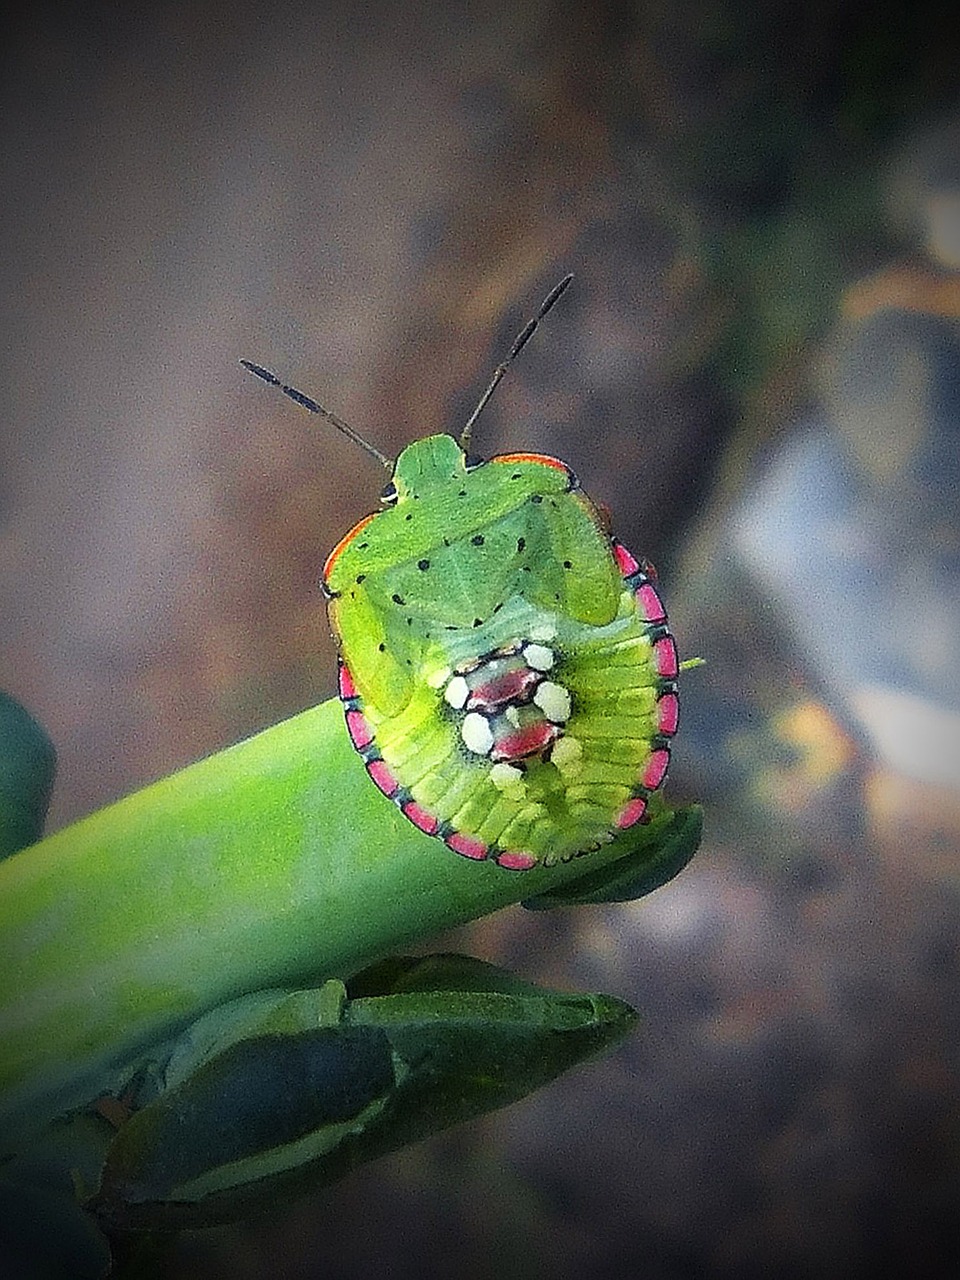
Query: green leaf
(277, 1115)
(27, 766)
(669, 842)
(469, 1052)
(258, 1014)
(260, 1097)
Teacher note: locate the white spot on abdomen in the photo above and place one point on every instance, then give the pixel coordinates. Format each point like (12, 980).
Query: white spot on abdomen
(456, 693)
(476, 733)
(554, 701)
(538, 656)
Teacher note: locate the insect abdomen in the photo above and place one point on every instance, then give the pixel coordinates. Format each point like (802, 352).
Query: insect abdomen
(541, 738)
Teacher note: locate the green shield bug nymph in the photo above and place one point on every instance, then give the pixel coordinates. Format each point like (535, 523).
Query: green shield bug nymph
(506, 668)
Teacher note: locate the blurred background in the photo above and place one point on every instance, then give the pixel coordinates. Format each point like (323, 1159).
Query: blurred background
(757, 370)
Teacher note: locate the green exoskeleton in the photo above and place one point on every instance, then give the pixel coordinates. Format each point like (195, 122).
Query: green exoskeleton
(506, 666)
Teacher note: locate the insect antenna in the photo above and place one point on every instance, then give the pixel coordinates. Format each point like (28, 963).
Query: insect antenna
(521, 340)
(272, 380)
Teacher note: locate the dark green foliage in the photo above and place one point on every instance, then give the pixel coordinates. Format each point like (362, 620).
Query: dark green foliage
(446, 1039)
(27, 766)
(44, 1234)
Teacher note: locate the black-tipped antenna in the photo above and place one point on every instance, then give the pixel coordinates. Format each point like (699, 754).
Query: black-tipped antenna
(522, 338)
(312, 405)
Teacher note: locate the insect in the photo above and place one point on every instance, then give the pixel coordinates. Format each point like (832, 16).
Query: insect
(506, 668)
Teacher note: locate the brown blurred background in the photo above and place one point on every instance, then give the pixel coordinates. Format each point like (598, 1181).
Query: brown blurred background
(757, 370)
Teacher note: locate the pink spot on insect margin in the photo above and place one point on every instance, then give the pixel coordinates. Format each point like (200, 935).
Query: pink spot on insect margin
(656, 769)
(668, 713)
(631, 813)
(381, 775)
(625, 561)
(345, 680)
(514, 861)
(467, 846)
(420, 817)
(361, 735)
(651, 606)
(665, 656)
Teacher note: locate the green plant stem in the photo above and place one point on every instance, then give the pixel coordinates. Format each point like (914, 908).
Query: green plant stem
(271, 864)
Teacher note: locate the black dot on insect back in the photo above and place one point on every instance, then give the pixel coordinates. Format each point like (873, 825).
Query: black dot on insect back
(382, 647)
(423, 565)
(360, 578)
(478, 622)
(521, 543)
(567, 564)
(477, 539)
(397, 599)
(536, 497)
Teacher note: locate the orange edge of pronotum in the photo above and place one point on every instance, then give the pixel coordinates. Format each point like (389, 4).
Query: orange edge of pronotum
(345, 542)
(543, 459)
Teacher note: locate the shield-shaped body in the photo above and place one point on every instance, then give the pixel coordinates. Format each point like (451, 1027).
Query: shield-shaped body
(506, 668)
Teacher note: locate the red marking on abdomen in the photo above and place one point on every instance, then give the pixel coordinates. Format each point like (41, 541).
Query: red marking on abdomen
(665, 657)
(525, 742)
(361, 735)
(668, 714)
(625, 561)
(651, 606)
(515, 861)
(503, 689)
(631, 813)
(656, 769)
(467, 846)
(381, 775)
(345, 683)
(420, 817)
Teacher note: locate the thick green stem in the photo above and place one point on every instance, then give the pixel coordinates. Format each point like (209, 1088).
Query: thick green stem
(274, 863)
